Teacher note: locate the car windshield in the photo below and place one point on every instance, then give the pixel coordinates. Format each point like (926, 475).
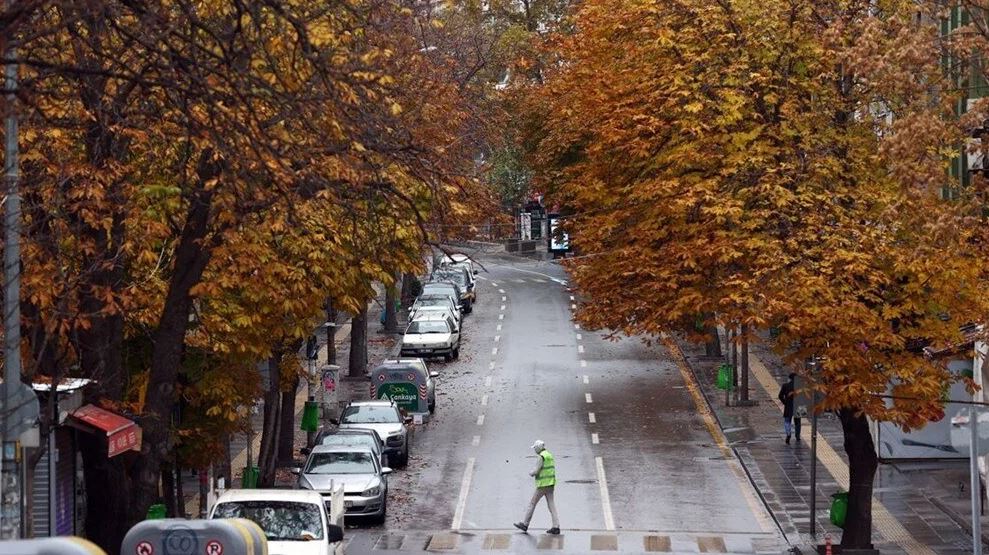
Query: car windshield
(351, 440)
(434, 300)
(428, 326)
(280, 520)
(357, 462)
(457, 277)
(437, 288)
(368, 414)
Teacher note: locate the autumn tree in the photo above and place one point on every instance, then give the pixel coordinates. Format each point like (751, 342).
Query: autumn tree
(764, 164)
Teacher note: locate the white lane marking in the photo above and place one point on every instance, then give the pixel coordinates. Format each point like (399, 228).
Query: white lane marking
(583, 364)
(487, 381)
(498, 328)
(481, 278)
(501, 316)
(594, 439)
(609, 520)
(494, 351)
(503, 299)
(586, 379)
(539, 280)
(587, 397)
(502, 307)
(580, 349)
(458, 515)
(493, 284)
(476, 440)
(491, 365)
(580, 337)
(572, 299)
(497, 338)
(592, 418)
(480, 420)
(549, 277)
(576, 326)
(573, 306)
(484, 400)
(501, 290)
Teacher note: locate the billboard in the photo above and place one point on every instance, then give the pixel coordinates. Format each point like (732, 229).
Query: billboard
(559, 241)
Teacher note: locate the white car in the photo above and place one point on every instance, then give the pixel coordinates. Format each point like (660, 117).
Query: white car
(295, 522)
(421, 309)
(431, 335)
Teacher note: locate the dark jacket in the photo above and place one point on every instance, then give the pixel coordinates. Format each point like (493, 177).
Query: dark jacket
(786, 397)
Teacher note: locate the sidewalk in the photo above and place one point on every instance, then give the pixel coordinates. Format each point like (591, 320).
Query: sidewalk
(907, 513)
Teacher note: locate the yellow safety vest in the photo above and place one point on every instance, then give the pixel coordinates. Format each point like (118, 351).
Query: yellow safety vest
(547, 474)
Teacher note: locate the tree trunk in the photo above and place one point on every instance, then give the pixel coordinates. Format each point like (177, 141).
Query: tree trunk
(269, 429)
(286, 427)
(204, 486)
(331, 333)
(358, 345)
(712, 347)
(168, 489)
(743, 387)
(225, 467)
(179, 490)
(190, 259)
(391, 311)
(410, 289)
(862, 464)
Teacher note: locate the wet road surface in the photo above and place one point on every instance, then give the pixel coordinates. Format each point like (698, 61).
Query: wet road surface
(638, 467)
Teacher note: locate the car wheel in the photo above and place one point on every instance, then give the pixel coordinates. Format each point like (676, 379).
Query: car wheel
(380, 519)
(403, 459)
(432, 407)
(448, 357)
(456, 352)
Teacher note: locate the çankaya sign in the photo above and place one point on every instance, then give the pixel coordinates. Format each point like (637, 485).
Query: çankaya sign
(404, 384)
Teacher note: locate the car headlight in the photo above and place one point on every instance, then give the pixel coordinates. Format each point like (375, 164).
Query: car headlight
(372, 491)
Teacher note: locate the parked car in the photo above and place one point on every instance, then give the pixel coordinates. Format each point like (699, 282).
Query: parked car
(384, 418)
(445, 288)
(358, 469)
(459, 275)
(438, 308)
(295, 522)
(433, 335)
(448, 283)
(458, 259)
(418, 365)
(356, 438)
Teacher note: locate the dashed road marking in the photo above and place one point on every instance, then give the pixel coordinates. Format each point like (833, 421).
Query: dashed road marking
(491, 365)
(591, 418)
(476, 441)
(594, 439)
(458, 515)
(583, 364)
(572, 299)
(501, 316)
(609, 519)
(502, 307)
(573, 306)
(494, 351)
(482, 278)
(484, 400)
(503, 299)
(588, 398)
(487, 381)
(493, 284)
(586, 379)
(576, 326)
(480, 420)
(498, 328)
(580, 349)
(580, 337)
(497, 338)
(501, 290)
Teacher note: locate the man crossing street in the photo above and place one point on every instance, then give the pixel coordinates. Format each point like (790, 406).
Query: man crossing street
(545, 475)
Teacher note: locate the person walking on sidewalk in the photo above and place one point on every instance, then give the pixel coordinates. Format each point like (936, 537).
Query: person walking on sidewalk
(786, 397)
(545, 474)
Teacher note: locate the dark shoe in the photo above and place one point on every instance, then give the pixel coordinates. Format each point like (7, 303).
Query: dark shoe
(522, 527)
(787, 440)
(554, 531)
(798, 438)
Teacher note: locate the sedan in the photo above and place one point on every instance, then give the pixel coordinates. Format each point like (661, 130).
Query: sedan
(364, 480)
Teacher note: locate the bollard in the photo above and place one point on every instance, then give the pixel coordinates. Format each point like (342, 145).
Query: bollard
(827, 544)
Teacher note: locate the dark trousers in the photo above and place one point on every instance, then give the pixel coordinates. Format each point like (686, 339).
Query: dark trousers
(791, 422)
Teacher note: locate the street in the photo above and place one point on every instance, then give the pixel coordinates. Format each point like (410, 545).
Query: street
(637, 464)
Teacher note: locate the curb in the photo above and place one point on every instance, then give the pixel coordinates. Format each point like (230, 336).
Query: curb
(963, 522)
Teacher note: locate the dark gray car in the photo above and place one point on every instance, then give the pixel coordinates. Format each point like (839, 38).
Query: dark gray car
(358, 469)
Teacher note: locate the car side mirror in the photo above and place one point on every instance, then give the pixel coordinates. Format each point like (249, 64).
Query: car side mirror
(334, 534)
(334, 421)
(296, 470)
(305, 450)
(385, 470)
(434, 374)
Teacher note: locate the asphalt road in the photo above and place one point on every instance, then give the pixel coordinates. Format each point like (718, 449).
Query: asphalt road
(638, 462)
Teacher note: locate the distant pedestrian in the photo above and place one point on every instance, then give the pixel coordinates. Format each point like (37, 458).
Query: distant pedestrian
(786, 397)
(545, 475)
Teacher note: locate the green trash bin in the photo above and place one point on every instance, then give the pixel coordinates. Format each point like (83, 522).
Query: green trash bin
(156, 512)
(310, 417)
(723, 380)
(249, 478)
(839, 508)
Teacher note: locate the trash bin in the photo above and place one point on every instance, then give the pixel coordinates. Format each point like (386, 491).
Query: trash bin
(249, 478)
(724, 377)
(310, 417)
(839, 508)
(156, 512)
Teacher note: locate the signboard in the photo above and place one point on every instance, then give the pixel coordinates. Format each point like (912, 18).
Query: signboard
(559, 241)
(404, 383)
(403, 393)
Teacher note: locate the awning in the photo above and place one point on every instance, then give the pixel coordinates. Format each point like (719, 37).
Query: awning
(122, 434)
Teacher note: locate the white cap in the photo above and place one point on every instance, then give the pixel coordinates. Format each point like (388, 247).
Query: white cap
(539, 445)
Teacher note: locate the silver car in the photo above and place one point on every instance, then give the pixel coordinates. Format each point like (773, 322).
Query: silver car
(358, 469)
(382, 417)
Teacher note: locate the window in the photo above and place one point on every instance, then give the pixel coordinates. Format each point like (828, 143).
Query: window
(280, 520)
(356, 462)
(368, 414)
(428, 326)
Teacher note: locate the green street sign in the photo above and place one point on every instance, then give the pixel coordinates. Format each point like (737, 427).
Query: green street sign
(403, 393)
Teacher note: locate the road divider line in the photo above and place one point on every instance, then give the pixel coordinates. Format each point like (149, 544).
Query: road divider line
(498, 328)
(594, 439)
(580, 337)
(502, 307)
(501, 316)
(501, 290)
(503, 299)
(458, 514)
(572, 299)
(591, 418)
(580, 349)
(480, 420)
(494, 351)
(588, 398)
(573, 306)
(609, 519)
(576, 326)
(491, 365)
(476, 441)
(484, 400)
(583, 364)
(493, 284)
(586, 379)
(482, 278)
(497, 338)
(487, 381)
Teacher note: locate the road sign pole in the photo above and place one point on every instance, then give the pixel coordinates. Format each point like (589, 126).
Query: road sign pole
(976, 491)
(811, 367)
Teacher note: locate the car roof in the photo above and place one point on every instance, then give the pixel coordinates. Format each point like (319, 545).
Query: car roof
(430, 317)
(341, 449)
(299, 495)
(402, 361)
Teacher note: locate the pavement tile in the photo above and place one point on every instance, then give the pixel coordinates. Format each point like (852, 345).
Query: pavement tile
(550, 541)
(497, 541)
(657, 544)
(604, 542)
(442, 542)
(390, 541)
(711, 544)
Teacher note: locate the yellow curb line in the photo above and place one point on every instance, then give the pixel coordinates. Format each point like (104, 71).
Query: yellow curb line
(748, 490)
(882, 519)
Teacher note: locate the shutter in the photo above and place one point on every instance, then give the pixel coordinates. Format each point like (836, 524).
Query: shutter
(39, 499)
